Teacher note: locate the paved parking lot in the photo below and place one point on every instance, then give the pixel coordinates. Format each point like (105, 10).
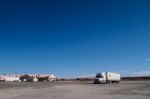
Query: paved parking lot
(73, 90)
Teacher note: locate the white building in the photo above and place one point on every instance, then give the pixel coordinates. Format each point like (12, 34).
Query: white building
(52, 77)
(35, 79)
(10, 77)
(2, 78)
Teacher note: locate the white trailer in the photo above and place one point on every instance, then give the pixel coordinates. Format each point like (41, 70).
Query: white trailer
(107, 77)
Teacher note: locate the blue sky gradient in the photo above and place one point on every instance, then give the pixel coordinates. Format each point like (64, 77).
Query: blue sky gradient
(74, 37)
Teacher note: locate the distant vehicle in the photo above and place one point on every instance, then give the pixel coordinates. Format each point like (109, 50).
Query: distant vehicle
(107, 77)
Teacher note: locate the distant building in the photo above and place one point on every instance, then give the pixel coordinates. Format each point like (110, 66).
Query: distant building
(52, 77)
(2, 78)
(27, 77)
(46, 77)
(10, 77)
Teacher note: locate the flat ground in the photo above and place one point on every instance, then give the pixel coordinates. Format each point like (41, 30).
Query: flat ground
(74, 90)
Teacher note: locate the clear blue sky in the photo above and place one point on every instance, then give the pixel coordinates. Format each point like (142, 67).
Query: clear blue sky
(74, 37)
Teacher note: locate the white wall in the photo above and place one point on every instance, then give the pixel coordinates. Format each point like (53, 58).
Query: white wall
(11, 78)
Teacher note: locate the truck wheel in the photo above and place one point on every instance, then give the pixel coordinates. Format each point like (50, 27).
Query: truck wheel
(94, 83)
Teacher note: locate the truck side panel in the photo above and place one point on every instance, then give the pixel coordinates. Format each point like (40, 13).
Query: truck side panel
(113, 76)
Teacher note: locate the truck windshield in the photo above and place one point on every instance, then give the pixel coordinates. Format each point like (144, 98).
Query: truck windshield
(99, 75)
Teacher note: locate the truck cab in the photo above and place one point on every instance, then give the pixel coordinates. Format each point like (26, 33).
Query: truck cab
(100, 78)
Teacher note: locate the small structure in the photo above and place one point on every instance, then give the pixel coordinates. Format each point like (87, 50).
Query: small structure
(26, 78)
(2, 79)
(52, 78)
(35, 79)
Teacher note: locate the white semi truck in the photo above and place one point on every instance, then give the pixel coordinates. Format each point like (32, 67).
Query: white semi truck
(107, 77)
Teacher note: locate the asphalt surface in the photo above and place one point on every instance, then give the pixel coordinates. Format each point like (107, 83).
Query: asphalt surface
(75, 90)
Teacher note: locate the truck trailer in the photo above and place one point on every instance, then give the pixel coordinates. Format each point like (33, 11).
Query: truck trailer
(107, 77)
